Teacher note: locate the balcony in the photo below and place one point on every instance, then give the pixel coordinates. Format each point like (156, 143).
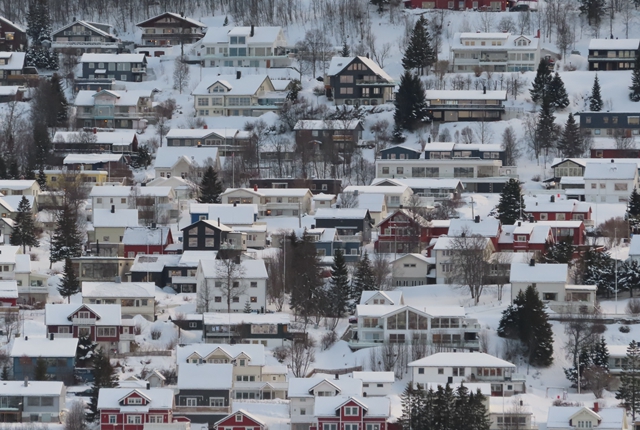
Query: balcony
(78, 43)
(128, 336)
(138, 70)
(350, 238)
(62, 335)
(374, 82)
(83, 321)
(202, 409)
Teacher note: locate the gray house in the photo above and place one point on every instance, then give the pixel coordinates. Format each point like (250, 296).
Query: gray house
(358, 81)
(203, 393)
(349, 222)
(31, 401)
(121, 67)
(84, 36)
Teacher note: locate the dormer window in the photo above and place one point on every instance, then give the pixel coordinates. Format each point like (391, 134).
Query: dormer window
(134, 401)
(238, 418)
(351, 411)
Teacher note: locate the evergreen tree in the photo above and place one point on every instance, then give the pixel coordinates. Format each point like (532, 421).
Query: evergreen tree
(338, 293)
(444, 408)
(38, 22)
(42, 179)
(40, 370)
(478, 411)
(226, 21)
(598, 268)
(67, 239)
(5, 373)
(411, 106)
(511, 205)
(410, 408)
(559, 252)
(595, 101)
(85, 352)
(379, 4)
(210, 187)
(296, 87)
(584, 362)
(142, 159)
(594, 11)
(633, 211)
(419, 54)
(306, 298)
(600, 353)
(541, 82)
(247, 307)
(3, 168)
(462, 403)
(42, 144)
(103, 377)
(363, 280)
(634, 95)
(570, 143)
(69, 284)
(629, 275)
(345, 52)
(24, 231)
(558, 93)
(509, 325)
(629, 390)
(14, 169)
(546, 131)
(62, 105)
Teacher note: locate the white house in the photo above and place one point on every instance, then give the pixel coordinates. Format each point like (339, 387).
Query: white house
(396, 196)
(410, 270)
(572, 417)
(376, 204)
(32, 287)
(393, 297)
(375, 383)
(499, 52)
(185, 162)
(444, 250)
(8, 254)
(610, 182)
(272, 201)
(19, 187)
(513, 414)
(249, 285)
(135, 298)
(33, 401)
(125, 197)
(457, 367)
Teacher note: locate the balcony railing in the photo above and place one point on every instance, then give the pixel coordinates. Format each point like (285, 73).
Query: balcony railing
(128, 336)
(63, 335)
(83, 321)
(138, 70)
(202, 409)
(62, 44)
(375, 82)
(493, 59)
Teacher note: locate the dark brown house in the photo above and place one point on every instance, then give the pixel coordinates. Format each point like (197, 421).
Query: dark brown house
(171, 29)
(333, 136)
(12, 36)
(211, 235)
(358, 81)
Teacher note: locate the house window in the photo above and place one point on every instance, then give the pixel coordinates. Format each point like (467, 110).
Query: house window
(440, 371)
(156, 419)
(134, 401)
(303, 411)
(329, 426)
(192, 401)
(242, 362)
(83, 315)
(351, 411)
(544, 216)
(218, 299)
(216, 401)
(420, 370)
(458, 371)
(550, 296)
(373, 426)
(238, 418)
(236, 300)
(134, 419)
(113, 419)
(620, 187)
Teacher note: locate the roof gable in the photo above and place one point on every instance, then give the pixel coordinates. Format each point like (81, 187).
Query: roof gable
(326, 383)
(353, 401)
(586, 411)
(134, 394)
(172, 15)
(82, 308)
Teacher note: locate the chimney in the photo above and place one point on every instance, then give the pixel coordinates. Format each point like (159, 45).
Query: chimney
(238, 74)
(205, 126)
(218, 221)
(484, 89)
(519, 223)
(532, 262)
(26, 338)
(537, 34)
(255, 187)
(95, 130)
(252, 30)
(401, 206)
(355, 192)
(313, 226)
(596, 407)
(552, 199)
(117, 280)
(612, 160)
(235, 204)
(429, 139)
(238, 260)
(26, 381)
(113, 209)
(477, 219)
(521, 403)
(337, 376)
(51, 335)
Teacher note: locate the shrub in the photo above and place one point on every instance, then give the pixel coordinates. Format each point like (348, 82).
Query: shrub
(155, 334)
(281, 353)
(624, 329)
(328, 339)
(633, 307)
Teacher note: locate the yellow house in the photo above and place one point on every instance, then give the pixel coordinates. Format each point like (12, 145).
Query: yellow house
(56, 179)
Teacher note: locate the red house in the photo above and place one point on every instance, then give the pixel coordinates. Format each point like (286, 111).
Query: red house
(525, 237)
(403, 232)
(101, 323)
(240, 420)
(614, 153)
(9, 293)
(488, 227)
(351, 413)
(127, 409)
(559, 210)
(491, 5)
(561, 230)
(146, 240)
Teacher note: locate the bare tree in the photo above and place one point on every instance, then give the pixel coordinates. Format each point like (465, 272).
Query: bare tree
(510, 146)
(484, 132)
(314, 51)
(516, 85)
(623, 141)
(485, 21)
(524, 22)
(11, 324)
(469, 263)
(205, 296)
(348, 200)
(301, 356)
(276, 282)
(229, 276)
(381, 272)
(581, 330)
(466, 135)
(180, 74)
(506, 25)
(598, 379)
(381, 54)
(74, 418)
(499, 271)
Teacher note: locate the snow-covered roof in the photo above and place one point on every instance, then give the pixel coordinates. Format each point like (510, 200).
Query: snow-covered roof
(160, 398)
(15, 60)
(461, 359)
(112, 58)
(16, 184)
(13, 24)
(253, 269)
(44, 347)
(498, 36)
(8, 254)
(146, 235)
(556, 206)
(538, 233)
(610, 171)
(246, 85)
(617, 350)
(449, 242)
(219, 318)
(275, 370)
(341, 213)
(422, 183)
(192, 258)
(309, 124)
(167, 156)
(58, 314)
(261, 35)
(231, 214)
(91, 158)
(12, 202)
(562, 224)
(32, 388)
(487, 227)
(324, 197)
(339, 63)
(201, 133)
(255, 352)
(543, 273)
(465, 95)
(375, 406)
(9, 289)
(380, 377)
(118, 289)
(122, 98)
(388, 190)
(608, 418)
(207, 376)
(634, 246)
(119, 218)
(176, 16)
(271, 192)
(371, 202)
(94, 26)
(23, 263)
(572, 180)
(300, 387)
(379, 311)
(420, 257)
(606, 44)
(153, 263)
(395, 296)
(10, 90)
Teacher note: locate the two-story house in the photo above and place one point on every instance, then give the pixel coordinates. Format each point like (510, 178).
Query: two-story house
(525, 237)
(411, 270)
(8, 296)
(13, 37)
(185, 162)
(133, 298)
(403, 231)
(117, 142)
(181, 275)
(428, 189)
(19, 187)
(100, 268)
(15, 71)
(240, 419)
(32, 286)
(610, 182)
(316, 185)
(241, 218)
(108, 230)
(348, 222)
(130, 109)
(571, 417)
(613, 54)
(272, 201)
(32, 401)
(443, 367)
(497, 52)
(352, 413)
(270, 330)
(212, 235)
(249, 285)
(101, 323)
(358, 81)
(84, 36)
(558, 210)
(146, 240)
(133, 408)
(227, 140)
(121, 67)
(334, 138)
(609, 124)
(327, 242)
(468, 105)
(8, 256)
(485, 5)
(375, 383)
(80, 163)
(236, 95)
(170, 29)
(204, 391)
(60, 354)
(252, 46)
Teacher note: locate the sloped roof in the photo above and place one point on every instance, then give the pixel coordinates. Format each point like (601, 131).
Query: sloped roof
(118, 289)
(146, 235)
(160, 398)
(92, 158)
(375, 406)
(610, 171)
(174, 15)
(123, 98)
(90, 25)
(167, 156)
(112, 58)
(487, 227)
(465, 95)
(300, 387)
(522, 272)
(207, 376)
(341, 213)
(246, 85)
(338, 64)
(606, 44)
(201, 133)
(609, 418)
(119, 218)
(461, 359)
(9, 289)
(58, 314)
(254, 351)
(395, 296)
(116, 138)
(253, 269)
(44, 347)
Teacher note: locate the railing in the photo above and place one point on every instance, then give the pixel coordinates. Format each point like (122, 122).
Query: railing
(83, 321)
(207, 409)
(236, 246)
(375, 82)
(493, 60)
(80, 43)
(62, 335)
(350, 237)
(128, 336)
(606, 57)
(138, 70)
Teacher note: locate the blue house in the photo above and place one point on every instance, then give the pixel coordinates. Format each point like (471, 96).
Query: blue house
(400, 152)
(121, 67)
(229, 214)
(59, 353)
(327, 242)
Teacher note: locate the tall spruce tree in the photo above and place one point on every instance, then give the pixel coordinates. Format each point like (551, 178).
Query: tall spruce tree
(595, 101)
(67, 239)
(69, 284)
(546, 131)
(594, 10)
(633, 211)
(24, 231)
(338, 293)
(210, 187)
(40, 370)
(511, 205)
(345, 52)
(363, 280)
(560, 252)
(411, 408)
(411, 105)
(634, 95)
(38, 22)
(570, 142)
(558, 93)
(541, 82)
(307, 298)
(104, 376)
(61, 103)
(629, 390)
(3, 168)
(419, 54)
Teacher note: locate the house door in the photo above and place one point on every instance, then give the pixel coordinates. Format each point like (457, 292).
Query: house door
(268, 64)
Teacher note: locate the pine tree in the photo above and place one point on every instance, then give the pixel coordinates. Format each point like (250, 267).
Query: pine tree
(410, 408)
(479, 413)
(14, 169)
(345, 52)
(629, 390)
(42, 179)
(38, 22)
(559, 252)
(633, 211)
(559, 96)
(629, 276)
(570, 143)
(634, 95)
(509, 325)
(85, 352)
(363, 280)
(594, 10)
(306, 298)
(584, 362)
(69, 284)
(5, 373)
(444, 407)
(595, 101)
(42, 143)
(411, 106)
(103, 377)
(40, 370)
(541, 82)
(511, 205)
(226, 21)
(338, 293)
(295, 89)
(67, 239)
(546, 131)
(247, 307)
(462, 403)
(210, 187)
(62, 105)
(600, 353)
(419, 54)
(24, 232)
(3, 168)
(598, 268)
